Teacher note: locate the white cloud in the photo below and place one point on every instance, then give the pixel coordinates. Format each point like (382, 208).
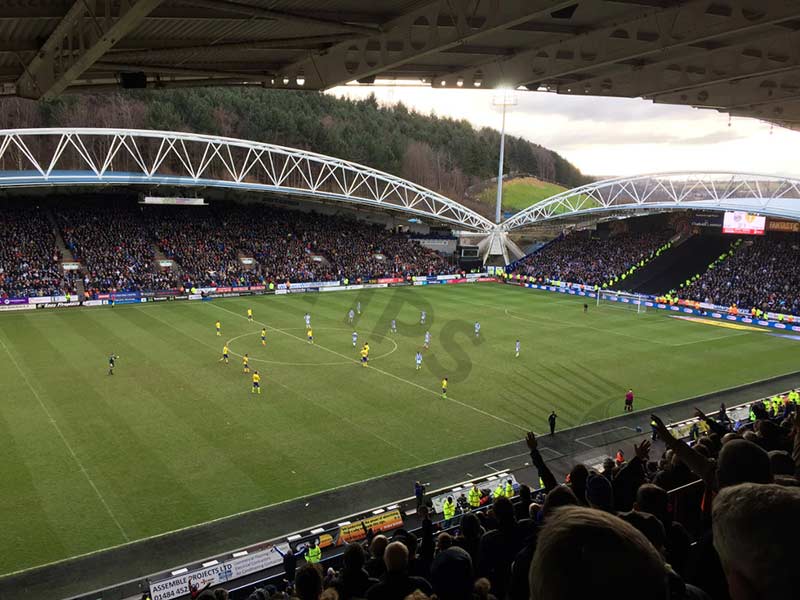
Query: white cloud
(614, 136)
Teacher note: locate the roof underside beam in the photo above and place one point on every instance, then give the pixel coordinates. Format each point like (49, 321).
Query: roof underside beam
(88, 30)
(414, 35)
(227, 6)
(648, 35)
(689, 79)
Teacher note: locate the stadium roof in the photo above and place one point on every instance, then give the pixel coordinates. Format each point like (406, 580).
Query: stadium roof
(639, 195)
(736, 56)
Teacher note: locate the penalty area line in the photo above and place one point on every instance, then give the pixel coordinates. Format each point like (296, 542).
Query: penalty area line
(60, 433)
(387, 373)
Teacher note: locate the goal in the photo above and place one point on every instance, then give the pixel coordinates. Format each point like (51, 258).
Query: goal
(623, 300)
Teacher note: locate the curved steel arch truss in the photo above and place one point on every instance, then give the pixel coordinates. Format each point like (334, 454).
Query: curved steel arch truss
(761, 194)
(85, 156)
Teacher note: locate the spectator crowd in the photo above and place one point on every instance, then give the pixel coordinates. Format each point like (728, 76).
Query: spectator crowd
(117, 246)
(578, 258)
(286, 245)
(761, 273)
(29, 260)
(729, 532)
(114, 247)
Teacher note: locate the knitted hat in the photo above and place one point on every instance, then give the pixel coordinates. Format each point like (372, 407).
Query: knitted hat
(599, 493)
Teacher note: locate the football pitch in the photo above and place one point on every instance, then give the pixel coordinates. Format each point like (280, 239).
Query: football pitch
(175, 437)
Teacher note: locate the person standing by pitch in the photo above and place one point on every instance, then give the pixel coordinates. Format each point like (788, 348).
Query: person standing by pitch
(552, 421)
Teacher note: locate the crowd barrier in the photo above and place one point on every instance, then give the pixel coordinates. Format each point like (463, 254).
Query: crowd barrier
(705, 310)
(209, 293)
(214, 572)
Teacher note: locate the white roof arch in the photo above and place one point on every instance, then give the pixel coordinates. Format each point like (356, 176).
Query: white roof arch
(769, 195)
(97, 156)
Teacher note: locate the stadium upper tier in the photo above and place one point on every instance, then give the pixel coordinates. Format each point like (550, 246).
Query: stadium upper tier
(100, 157)
(81, 157)
(116, 246)
(736, 56)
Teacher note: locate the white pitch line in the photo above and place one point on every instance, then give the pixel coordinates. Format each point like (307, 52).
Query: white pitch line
(66, 443)
(715, 338)
(397, 377)
(586, 437)
(321, 406)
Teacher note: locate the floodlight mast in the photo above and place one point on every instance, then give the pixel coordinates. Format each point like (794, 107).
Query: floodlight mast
(503, 98)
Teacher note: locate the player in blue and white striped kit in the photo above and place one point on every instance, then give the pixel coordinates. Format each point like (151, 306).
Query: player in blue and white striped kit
(355, 339)
(418, 360)
(477, 329)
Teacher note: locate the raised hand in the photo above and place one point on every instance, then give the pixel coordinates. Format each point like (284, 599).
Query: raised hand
(642, 451)
(530, 439)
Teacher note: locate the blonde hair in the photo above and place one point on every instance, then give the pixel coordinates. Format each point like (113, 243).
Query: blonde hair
(584, 552)
(755, 532)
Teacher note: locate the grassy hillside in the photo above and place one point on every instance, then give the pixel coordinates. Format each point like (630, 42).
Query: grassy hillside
(520, 193)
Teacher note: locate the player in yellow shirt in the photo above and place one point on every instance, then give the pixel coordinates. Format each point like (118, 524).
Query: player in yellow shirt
(444, 388)
(256, 383)
(224, 354)
(218, 325)
(310, 335)
(250, 314)
(365, 355)
(245, 364)
(263, 336)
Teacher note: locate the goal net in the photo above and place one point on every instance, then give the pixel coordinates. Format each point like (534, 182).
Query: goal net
(622, 300)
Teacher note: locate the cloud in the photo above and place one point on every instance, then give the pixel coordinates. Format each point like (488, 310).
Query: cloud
(613, 136)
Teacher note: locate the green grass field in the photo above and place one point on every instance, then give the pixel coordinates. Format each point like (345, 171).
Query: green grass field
(175, 437)
(519, 194)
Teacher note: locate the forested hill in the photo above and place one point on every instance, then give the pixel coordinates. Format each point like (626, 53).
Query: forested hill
(442, 154)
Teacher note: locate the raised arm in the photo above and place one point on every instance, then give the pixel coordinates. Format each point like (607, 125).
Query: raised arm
(545, 474)
(712, 423)
(697, 463)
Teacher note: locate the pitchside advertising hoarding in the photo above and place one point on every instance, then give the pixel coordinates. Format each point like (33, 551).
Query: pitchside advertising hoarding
(207, 293)
(265, 558)
(705, 310)
(222, 572)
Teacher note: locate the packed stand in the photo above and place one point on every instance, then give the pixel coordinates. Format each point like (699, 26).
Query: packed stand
(576, 258)
(29, 260)
(286, 245)
(114, 247)
(759, 274)
(617, 532)
(203, 243)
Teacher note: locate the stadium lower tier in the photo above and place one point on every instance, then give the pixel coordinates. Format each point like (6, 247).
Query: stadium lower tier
(141, 452)
(117, 245)
(749, 273)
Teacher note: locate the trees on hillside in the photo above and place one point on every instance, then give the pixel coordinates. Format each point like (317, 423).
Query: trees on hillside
(444, 154)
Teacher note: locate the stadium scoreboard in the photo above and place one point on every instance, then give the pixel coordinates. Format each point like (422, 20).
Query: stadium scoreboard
(743, 223)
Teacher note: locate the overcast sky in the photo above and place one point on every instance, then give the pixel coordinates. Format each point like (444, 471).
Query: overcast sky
(610, 136)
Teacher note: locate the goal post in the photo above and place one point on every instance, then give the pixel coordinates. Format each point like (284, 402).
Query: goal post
(622, 300)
